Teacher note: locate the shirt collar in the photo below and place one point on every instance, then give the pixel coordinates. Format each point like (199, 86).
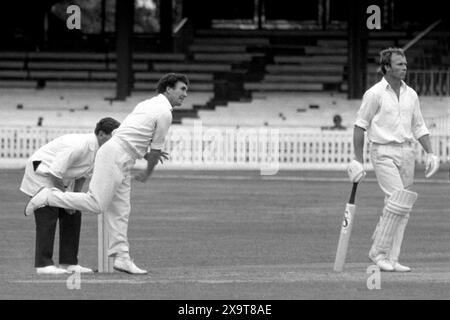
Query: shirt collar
(388, 86)
(93, 142)
(166, 101)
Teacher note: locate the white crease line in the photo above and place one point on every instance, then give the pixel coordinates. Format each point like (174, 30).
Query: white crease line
(325, 277)
(300, 179)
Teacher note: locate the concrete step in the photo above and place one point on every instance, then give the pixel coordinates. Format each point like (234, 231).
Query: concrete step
(330, 69)
(263, 86)
(311, 59)
(217, 48)
(229, 57)
(191, 67)
(302, 78)
(195, 86)
(156, 76)
(248, 41)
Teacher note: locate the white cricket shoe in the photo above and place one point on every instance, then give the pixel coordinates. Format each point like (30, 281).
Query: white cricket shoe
(382, 262)
(127, 265)
(51, 270)
(400, 268)
(39, 200)
(76, 268)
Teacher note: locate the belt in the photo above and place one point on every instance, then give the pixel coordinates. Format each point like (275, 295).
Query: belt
(394, 143)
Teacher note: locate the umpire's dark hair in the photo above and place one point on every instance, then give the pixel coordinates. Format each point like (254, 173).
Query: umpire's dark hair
(169, 80)
(385, 57)
(107, 125)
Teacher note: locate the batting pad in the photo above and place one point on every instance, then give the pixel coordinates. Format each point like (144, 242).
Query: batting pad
(395, 212)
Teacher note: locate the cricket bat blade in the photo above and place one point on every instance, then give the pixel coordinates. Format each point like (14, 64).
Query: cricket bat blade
(346, 230)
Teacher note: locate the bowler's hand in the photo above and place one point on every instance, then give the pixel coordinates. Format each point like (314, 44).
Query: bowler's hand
(164, 155)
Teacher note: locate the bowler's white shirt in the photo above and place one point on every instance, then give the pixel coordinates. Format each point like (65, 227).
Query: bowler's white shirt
(68, 157)
(390, 119)
(147, 125)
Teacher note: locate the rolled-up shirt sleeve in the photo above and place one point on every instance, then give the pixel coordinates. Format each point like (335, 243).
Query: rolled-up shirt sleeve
(418, 127)
(162, 125)
(367, 111)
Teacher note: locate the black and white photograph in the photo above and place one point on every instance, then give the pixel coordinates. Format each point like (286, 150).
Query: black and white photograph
(224, 155)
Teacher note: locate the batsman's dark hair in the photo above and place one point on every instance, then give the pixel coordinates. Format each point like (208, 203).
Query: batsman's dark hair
(170, 80)
(107, 125)
(385, 57)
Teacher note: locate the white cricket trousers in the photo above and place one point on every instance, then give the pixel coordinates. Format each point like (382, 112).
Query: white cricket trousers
(108, 194)
(394, 169)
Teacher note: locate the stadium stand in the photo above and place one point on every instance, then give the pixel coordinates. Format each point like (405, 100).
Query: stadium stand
(293, 109)
(82, 106)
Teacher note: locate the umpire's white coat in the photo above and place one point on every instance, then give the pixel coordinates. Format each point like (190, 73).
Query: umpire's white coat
(68, 157)
(109, 190)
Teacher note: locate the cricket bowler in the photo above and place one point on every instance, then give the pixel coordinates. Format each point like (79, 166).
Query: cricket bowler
(141, 135)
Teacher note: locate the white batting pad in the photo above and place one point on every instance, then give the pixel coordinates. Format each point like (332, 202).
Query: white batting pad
(395, 213)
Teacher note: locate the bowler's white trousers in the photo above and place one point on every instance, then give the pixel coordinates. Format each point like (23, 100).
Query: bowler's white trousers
(394, 168)
(108, 194)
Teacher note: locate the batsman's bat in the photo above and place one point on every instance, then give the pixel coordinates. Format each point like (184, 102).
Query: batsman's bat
(346, 230)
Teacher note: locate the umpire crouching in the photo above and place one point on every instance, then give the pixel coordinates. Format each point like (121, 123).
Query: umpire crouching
(63, 163)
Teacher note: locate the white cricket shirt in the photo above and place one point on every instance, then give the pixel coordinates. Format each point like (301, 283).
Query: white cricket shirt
(68, 157)
(390, 119)
(147, 125)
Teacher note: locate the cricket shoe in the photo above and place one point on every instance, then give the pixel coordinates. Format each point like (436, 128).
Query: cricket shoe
(127, 265)
(400, 268)
(39, 200)
(382, 263)
(51, 270)
(75, 268)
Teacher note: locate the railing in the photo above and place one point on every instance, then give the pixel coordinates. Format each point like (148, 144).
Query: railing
(429, 82)
(221, 147)
(421, 35)
(424, 82)
(439, 125)
(183, 34)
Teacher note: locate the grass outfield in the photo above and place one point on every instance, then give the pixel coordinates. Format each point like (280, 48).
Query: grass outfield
(237, 235)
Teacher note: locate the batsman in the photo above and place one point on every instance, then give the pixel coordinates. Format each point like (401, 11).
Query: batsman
(390, 113)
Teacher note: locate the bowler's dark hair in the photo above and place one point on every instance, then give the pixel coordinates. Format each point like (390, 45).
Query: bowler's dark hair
(107, 125)
(385, 57)
(170, 80)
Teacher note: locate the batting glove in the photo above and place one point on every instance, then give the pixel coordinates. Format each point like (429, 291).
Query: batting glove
(356, 171)
(431, 164)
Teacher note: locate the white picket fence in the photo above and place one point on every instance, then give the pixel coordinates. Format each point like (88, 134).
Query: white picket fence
(266, 149)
